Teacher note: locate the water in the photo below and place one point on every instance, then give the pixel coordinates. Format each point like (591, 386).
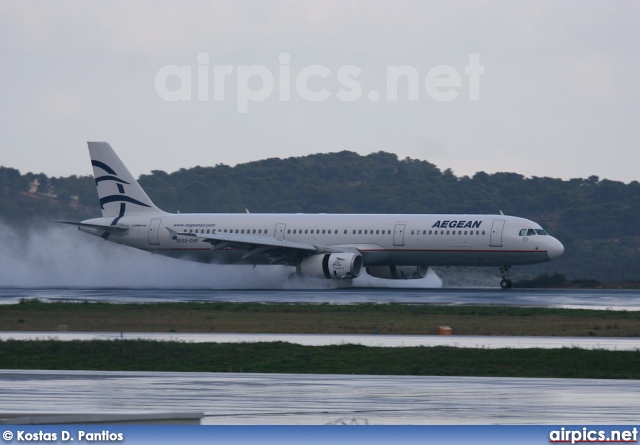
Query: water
(234, 398)
(603, 299)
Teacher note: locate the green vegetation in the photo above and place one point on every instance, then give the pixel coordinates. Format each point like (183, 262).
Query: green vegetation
(307, 318)
(544, 280)
(395, 319)
(556, 280)
(137, 355)
(595, 219)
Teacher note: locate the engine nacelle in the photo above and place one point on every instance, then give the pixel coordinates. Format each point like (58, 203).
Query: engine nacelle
(332, 265)
(398, 272)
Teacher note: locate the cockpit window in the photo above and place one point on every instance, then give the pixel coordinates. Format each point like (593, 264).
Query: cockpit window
(532, 232)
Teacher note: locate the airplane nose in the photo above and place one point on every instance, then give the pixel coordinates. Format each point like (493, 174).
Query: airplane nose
(555, 249)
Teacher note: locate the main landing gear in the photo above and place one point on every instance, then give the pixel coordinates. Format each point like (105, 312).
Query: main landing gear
(506, 282)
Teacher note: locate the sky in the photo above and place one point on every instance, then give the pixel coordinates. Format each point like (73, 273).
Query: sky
(541, 88)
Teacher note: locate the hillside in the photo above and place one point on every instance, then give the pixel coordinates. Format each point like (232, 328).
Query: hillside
(597, 220)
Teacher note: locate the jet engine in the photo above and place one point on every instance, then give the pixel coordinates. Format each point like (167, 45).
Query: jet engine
(332, 265)
(398, 272)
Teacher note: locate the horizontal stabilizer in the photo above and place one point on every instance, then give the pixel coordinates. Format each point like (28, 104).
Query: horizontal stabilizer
(112, 229)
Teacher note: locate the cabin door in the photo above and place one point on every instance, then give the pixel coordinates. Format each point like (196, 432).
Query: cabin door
(398, 235)
(496, 233)
(154, 229)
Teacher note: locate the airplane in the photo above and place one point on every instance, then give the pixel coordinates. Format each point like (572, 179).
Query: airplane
(330, 246)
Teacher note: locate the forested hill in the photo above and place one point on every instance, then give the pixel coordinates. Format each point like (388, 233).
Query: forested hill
(597, 220)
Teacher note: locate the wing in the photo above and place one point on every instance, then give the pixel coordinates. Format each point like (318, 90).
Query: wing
(278, 251)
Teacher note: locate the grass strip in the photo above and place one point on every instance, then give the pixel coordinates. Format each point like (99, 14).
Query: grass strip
(279, 357)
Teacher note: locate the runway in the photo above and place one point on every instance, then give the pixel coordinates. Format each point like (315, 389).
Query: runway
(488, 342)
(602, 299)
(228, 398)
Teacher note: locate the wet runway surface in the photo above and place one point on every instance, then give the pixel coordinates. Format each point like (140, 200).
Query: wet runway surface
(228, 398)
(566, 298)
(390, 341)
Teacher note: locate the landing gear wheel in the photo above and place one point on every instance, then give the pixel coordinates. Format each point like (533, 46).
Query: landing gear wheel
(506, 282)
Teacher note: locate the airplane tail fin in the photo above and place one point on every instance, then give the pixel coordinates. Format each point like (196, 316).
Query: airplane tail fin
(118, 191)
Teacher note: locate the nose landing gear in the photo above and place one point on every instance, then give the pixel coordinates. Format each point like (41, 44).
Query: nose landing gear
(506, 282)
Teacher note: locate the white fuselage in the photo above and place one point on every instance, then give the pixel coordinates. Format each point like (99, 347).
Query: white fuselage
(416, 240)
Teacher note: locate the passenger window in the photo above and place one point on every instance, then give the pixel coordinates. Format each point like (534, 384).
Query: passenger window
(483, 232)
(345, 231)
(306, 231)
(359, 232)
